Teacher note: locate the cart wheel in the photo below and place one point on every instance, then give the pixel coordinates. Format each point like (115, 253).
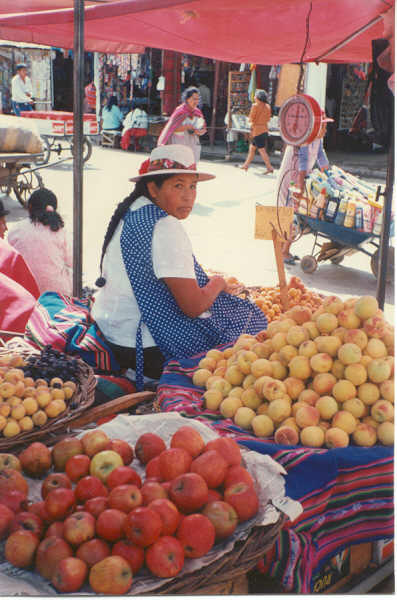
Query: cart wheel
(390, 265)
(25, 183)
(308, 264)
(337, 260)
(45, 156)
(87, 148)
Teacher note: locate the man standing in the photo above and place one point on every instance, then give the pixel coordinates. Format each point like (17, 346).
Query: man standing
(90, 98)
(21, 90)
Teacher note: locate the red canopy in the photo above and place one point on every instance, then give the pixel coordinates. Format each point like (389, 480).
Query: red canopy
(254, 31)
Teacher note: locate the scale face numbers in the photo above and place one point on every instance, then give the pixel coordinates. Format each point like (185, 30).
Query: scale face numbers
(298, 122)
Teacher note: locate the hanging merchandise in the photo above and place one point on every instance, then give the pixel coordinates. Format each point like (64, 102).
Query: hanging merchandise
(252, 83)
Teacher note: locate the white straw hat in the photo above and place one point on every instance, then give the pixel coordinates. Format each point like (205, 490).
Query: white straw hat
(170, 160)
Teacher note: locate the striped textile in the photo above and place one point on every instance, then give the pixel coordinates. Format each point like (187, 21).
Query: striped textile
(346, 493)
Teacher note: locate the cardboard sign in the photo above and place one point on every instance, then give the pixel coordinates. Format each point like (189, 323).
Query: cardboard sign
(269, 217)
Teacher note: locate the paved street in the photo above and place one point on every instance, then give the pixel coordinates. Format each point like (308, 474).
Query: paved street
(221, 226)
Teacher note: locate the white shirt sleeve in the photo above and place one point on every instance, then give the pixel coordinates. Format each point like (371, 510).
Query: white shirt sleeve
(19, 89)
(171, 250)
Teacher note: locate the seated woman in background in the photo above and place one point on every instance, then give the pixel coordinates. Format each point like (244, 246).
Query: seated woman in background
(112, 117)
(135, 126)
(42, 241)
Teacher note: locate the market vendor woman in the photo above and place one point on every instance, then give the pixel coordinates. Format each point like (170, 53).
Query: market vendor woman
(155, 301)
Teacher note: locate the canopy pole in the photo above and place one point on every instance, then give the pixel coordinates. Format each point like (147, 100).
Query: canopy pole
(214, 103)
(78, 97)
(386, 222)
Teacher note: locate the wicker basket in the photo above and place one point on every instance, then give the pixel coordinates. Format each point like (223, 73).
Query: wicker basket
(78, 403)
(218, 577)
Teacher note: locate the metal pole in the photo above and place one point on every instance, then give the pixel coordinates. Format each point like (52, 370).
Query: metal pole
(214, 103)
(385, 235)
(78, 96)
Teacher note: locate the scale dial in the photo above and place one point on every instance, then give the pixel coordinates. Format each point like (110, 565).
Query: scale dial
(300, 120)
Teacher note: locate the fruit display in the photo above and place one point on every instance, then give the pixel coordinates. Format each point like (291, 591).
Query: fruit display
(321, 379)
(35, 389)
(99, 523)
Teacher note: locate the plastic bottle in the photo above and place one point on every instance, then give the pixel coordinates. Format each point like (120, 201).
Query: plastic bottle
(350, 213)
(359, 218)
(332, 207)
(321, 200)
(340, 217)
(367, 217)
(378, 223)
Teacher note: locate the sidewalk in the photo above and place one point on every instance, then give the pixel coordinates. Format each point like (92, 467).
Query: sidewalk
(363, 164)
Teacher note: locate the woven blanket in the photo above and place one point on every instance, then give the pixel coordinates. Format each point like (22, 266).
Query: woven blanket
(346, 493)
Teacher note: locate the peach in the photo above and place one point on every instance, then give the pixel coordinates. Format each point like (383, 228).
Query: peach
(279, 371)
(311, 329)
(356, 336)
(236, 391)
(211, 380)
(348, 319)
(215, 354)
(333, 304)
(259, 383)
(294, 386)
(369, 393)
(349, 354)
(261, 367)
(290, 422)
(286, 324)
(244, 360)
(338, 369)
(355, 406)
(228, 352)
(262, 426)
(307, 348)
(300, 367)
(344, 390)
(356, 373)
(250, 398)
(327, 406)
(390, 360)
(366, 307)
(266, 348)
(220, 371)
(308, 396)
(274, 356)
(306, 416)
(387, 390)
(287, 353)
(344, 420)
(207, 363)
(326, 322)
(382, 411)
(323, 383)
(329, 344)
(312, 436)
(321, 363)
(379, 370)
(243, 417)
(375, 327)
(245, 342)
(229, 406)
(385, 433)
(336, 438)
(371, 421)
(286, 436)
(376, 348)
(273, 328)
(300, 314)
(296, 406)
(220, 384)
(296, 335)
(364, 435)
(340, 333)
(274, 389)
(262, 409)
(279, 341)
(365, 360)
(248, 382)
(200, 377)
(212, 399)
(324, 425)
(278, 410)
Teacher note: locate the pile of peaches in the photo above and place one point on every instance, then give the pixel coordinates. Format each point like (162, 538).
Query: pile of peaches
(322, 378)
(97, 521)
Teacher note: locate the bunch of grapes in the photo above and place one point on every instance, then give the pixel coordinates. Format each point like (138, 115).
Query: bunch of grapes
(51, 363)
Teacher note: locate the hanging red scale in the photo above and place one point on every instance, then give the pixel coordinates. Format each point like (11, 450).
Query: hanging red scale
(300, 120)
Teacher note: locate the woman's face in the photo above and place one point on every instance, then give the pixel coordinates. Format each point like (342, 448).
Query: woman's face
(193, 100)
(176, 196)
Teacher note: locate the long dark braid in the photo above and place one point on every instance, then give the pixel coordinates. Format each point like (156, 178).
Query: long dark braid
(121, 209)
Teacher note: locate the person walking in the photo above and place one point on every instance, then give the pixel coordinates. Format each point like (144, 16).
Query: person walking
(21, 90)
(259, 118)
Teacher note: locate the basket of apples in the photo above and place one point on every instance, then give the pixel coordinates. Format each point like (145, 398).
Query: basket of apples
(167, 506)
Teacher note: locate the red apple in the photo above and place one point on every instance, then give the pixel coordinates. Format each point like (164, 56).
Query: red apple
(166, 485)
(165, 558)
(229, 449)
(79, 528)
(153, 469)
(174, 462)
(169, 515)
(214, 495)
(77, 466)
(244, 500)
(28, 521)
(94, 441)
(152, 490)
(55, 529)
(69, 575)
(223, 517)
(14, 500)
(189, 492)
(196, 534)
(148, 446)
(133, 554)
(10, 479)
(93, 551)
(237, 474)
(211, 466)
(103, 463)
(64, 450)
(122, 476)
(54, 481)
(112, 575)
(125, 498)
(35, 460)
(38, 508)
(123, 448)
(59, 503)
(49, 553)
(189, 439)
(20, 548)
(89, 487)
(110, 524)
(143, 526)
(96, 506)
(6, 518)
